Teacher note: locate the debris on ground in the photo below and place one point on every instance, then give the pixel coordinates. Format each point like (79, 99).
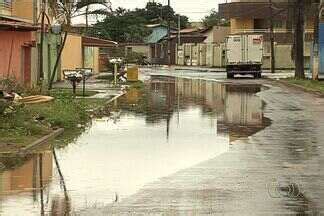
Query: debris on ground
(35, 99)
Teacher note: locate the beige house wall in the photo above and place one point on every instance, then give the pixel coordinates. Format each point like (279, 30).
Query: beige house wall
(283, 56)
(76, 56)
(217, 34)
(210, 36)
(202, 54)
(213, 55)
(91, 58)
(72, 53)
(96, 60)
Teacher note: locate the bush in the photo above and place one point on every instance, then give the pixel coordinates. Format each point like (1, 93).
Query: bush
(11, 85)
(134, 57)
(3, 105)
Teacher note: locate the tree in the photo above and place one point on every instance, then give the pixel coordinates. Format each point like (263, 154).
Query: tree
(157, 12)
(124, 25)
(315, 62)
(214, 19)
(64, 11)
(299, 39)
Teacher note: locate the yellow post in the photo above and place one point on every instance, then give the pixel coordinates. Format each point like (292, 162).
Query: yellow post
(132, 74)
(115, 73)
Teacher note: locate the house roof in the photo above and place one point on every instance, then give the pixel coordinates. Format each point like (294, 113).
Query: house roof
(17, 25)
(211, 28)
(156, 25)
(13, 18)
(189, 36)
(132, 44)
(160, 25)
(97, 42)
(156, 35)
(189, 30)
(206, 29)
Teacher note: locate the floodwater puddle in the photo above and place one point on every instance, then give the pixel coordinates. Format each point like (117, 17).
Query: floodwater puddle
(170, 125)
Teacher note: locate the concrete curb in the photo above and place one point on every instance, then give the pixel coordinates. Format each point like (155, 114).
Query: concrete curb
(43, 140)
(116, 97)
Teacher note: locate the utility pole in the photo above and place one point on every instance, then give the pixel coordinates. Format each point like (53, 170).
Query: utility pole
(272, 49)
(179, 30)
(87, 19)
(315, 62)
(41, 59)
(169, 34)
(299, 39)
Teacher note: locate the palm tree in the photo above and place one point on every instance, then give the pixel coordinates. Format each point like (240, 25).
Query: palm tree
(64, 11)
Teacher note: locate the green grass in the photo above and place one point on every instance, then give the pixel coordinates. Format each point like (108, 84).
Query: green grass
(67, 92)
(26, 123)
(311, 85)
(109, 77)
(20, 128)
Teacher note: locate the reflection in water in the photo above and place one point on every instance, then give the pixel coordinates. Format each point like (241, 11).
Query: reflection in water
(29, 182)
(26, 177)
(236, 108)
(30, 176)
(172, 124)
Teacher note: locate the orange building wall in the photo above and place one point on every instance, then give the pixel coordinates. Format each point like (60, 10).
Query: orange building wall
(23, 9)
(26, 177)
(11, 53)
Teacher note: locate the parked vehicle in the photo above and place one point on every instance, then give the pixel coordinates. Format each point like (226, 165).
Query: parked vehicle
(244, 55)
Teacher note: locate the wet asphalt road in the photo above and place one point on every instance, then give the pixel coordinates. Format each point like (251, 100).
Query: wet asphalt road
(277, 171)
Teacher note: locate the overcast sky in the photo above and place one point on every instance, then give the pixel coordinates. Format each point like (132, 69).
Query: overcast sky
(194, 9)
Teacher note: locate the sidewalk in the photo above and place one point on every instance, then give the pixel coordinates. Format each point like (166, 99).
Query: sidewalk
(103, 87)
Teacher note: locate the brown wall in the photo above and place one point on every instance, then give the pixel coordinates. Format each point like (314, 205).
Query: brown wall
(14, 51)
(241, 23)
(26, 177)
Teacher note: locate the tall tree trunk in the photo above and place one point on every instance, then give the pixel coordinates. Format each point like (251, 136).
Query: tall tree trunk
(299, 39)
(41, 48)
(272, 48)
(315, 62)
(50, 85)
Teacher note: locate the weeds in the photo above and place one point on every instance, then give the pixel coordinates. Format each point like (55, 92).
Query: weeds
(308, 84)
(26, 123)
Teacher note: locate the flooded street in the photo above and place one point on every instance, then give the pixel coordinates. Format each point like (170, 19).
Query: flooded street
(172, 125)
